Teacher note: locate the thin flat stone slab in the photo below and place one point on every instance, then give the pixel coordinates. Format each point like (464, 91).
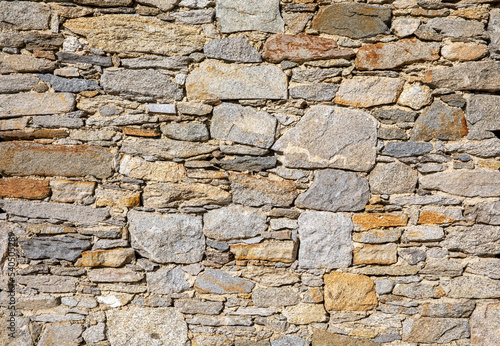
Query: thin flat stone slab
(152, 61)
(335, 190)
(167, 281)
(14, 84)
(325, 240)
(167, 195)
(456, 27)
(129, 33)
(274, 251)
(246, 15)
(435, 330)
(49, 283)
(236, 49)
(74, 85)
(66, 248)
(369, 91)
(214, 281)
(46, 210)
(352, 20)
(217, 80)
(300, 48)
(35, 104)
(168, 237)
(25, 158)
(382, 56)
(463, 183)
(114, 275)
(233, 122)
(24, 15)
(137, 326)
(165, 148)
(481, 75)
(485, 324)
(347, 140)
(72, 58)
(475, 240)
(486, 212)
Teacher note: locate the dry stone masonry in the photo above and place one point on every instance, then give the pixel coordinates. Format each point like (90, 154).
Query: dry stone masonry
(250, 172)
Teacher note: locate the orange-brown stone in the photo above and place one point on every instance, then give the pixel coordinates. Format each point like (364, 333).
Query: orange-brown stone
(428, 216)
(121, 198)
(349, 292)
(24, 188)
(300, 48)
(464, 51)
(282, 251)
(106, 258)
(34, 134)
(369, 221)
(140, 132)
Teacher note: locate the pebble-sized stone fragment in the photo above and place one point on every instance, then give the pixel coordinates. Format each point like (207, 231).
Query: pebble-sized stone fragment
(392, 178)
(274, 251)
(325, 240)
(107, 258)
(214, 281)
(369, 91)
(415, 96)
(65, 248)
(236, 49)
(349, 292)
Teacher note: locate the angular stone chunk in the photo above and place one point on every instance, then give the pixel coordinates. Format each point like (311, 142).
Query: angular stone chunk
(423, 233)
(167, 195)
(48, 283)
(214, 281)
(369, 91)
(246, 15)
(246, 163)
(456, 27)
(473, 287)
(377, 236)
(487, 148)
(164, 171)
(335, 190)
(255, 192)
(216, 80)
(406, 149)
(305, 314)
(236, 49)
(25, 158)
(325, 240)
(164, 5)
(129, 33)
(476, 240)
(68, 191)
(346, 141)
(382, 56)
(483, 112)
(167, 281)
(322, 338)
(35, 104)
(456, 310)
(487, 212)
(463, 183)
(194, 16)
(352, 20)
(440, 122)
(44, 210)
(349, 292)
(275, 251)
(107, 258)
(417, 290)
(24, 15)
(148, 84)
(24, 188)
(114, 275)
(314, 92)
(164, 148)
(166, 238)
(275, 297)
(234, 222)
(146, 326)
(392, 178)
(485, 325)
(122, 198)
(169, 63)
(489, 267)
(69, 84)
(65, 248)
(13, 84)
(435, 330)
(72, 58)
(481, 75)
(24, 63)
(54, 334)
(300, 48)
(232, 122)
(376, 254)
(197, 307)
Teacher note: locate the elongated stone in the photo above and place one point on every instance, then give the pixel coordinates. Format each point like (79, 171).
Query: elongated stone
(72, 58)
(12, 63)
(219, 282)
(456, 27)
(114, 275)
(476, 240)
(470, 287)
(69, 84)
(68, 191)
(35, 104)
(166, 195)
(435, 330)
(14, 84)
(128, 33)
(347, 140)
(151, 61)
(369, 91)
(164, 148)
(463, 183)
(49, 283)
(236, 49)
(392, 178)
(483, 75)
(163, 171)
(24, 188)
(485, 324)
(216, 80)
(107, 258)
(372, 220)
(65, 248)
(275, 251)
(167, 281)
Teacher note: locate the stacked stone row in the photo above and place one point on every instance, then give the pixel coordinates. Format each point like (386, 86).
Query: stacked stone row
(250, 172)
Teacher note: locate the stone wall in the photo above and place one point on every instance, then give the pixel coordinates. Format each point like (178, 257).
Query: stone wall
(250, 172)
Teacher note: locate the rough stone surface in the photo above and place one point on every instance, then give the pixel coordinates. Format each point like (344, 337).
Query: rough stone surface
(353, 147)
(456, 27)
(305, 313)
(164, 148)
(195, 132)
(54, 334)
(236, 49)
(314, 92)
(473, 287)
(463, 183)
(375, 254)
(24, 188)
(49, 283)
(18, 15)
(35, 104)
(484, 75)
(141, 326)
(349, 292)
(275, 297)
(234, 222)
(162, 171)
(415, 96)
(406, 149)
(485, 325)
(352, 20)
(244, 15)
(232, 122)
(68, 191)
(166, 195)
(483, 112)
(197, 307)
(219, 282)
(216, 80)
(322, 338)
(167, 238)
(167, 281)
(464, 51)
(274, 251)
(13, 84)
(369, 221)
(65, 248)
(437, 330)
(392, 178)
(325, 240)
(477, 240)
(369, 91)
(335, 190)
(69, 84)
(107, 258)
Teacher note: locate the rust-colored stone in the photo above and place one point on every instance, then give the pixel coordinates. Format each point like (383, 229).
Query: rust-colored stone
(44, 54)
(349, 292)
(464, 51)
(369, 221)
(429, 216)
(33, 134)
(276, 251)
(121, 198)
(24, 188)
(140, 132)
(106, 258)
(300, 48)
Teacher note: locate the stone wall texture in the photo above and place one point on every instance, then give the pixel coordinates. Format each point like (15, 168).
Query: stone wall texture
(249, 172)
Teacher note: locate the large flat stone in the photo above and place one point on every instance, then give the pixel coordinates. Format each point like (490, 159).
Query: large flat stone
(300, 48)
(14, 84)
(168, 237)
(165, 148)
(392, 178)
(352, 20)
(456, 27)
(349, 292)
(487, 148)
(335, 190)
(463, 183)
(167, 195)
(234, 222)
(100, 60)
(49, 283)
(163, 171)
(483, 75)
(219, 282)
(246, 15)
(216, 80)
(114, 275)
(314, 92)
(369, 91)
(475, 240)
(167, 281)
(128, 33)
(138, 326)
(485, 324)
(63, 334)
(66, 248)
(236, 49)
(381, 56)
(67, 212)
(24, 15)
(325, 240)
(140, 84)
(35, 104)
(275, 297)
(486, 212)
(489, 267)
(347, 140)
(435, 330)
(152, 61)
(232, 122)
(305, 314)
(25, 158)
(470, 287)
(406, 149)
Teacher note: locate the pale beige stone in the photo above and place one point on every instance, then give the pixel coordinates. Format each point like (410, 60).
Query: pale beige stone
(415, 96)
(284, 251)
(121, 198)
(305, 313)
(69, 191)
